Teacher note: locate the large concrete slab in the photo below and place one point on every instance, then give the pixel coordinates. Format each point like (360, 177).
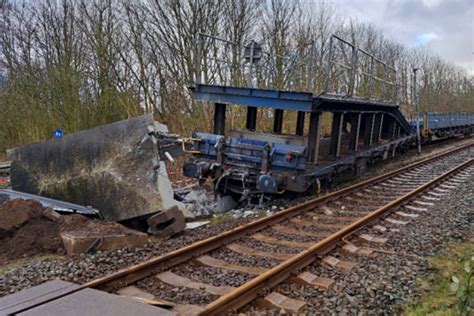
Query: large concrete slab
(75, 243)
(115, 168)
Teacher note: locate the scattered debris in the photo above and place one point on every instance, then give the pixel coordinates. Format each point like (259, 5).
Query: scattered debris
(56, 205)
(194, 225)
(198, 201)
(82, 235)
(167, 223)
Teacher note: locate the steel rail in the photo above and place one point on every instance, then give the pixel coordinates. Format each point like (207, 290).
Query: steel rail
(142, 270)
(249, 291)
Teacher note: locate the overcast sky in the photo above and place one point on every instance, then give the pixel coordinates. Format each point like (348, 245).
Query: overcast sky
(445, 26)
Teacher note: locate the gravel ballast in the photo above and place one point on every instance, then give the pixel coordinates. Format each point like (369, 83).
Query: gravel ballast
(384, 283)
(87, 267)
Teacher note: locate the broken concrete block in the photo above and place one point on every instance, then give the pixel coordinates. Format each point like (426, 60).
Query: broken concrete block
(51, 214)
(114, 168)
(166, 223)
(76, 242)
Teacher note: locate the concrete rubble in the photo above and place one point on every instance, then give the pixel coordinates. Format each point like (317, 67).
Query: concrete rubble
(116, 168)
(201, 202)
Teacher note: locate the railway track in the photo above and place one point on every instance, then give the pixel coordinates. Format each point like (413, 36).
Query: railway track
(232, 269)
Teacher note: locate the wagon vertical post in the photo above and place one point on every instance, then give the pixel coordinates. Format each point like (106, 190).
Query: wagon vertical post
(355, 131)
(369, 129)
(300, 123)
(314, 136)
(278, 121)
(219, 118)
(336, 133)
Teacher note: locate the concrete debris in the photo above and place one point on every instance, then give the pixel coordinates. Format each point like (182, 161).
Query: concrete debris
(197, 196)
(197, 202)
(115, 168)
(167, 223)
(194, 225)
(248, 213)
(76, 242)
(327, 212)
(82, 235)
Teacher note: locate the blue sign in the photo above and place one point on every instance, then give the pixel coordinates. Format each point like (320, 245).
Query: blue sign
(58, 133)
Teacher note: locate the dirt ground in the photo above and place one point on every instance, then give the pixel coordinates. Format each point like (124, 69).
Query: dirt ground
(26, 230)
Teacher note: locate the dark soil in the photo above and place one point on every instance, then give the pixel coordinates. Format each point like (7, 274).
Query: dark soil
(26, 231)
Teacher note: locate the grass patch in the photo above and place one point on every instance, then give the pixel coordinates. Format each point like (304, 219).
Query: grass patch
(13, 264)
(220, 218)
(451, 289)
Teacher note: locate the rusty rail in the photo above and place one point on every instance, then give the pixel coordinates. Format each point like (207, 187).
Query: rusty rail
(239, 296)
(249, 291)
(142, 270)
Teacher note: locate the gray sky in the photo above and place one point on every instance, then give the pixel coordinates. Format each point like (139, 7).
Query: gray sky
(445, 26)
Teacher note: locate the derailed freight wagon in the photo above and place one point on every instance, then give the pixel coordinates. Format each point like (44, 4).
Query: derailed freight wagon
(438, 125)
(250, 162)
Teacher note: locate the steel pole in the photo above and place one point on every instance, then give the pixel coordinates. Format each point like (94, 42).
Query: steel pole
(415, 96)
